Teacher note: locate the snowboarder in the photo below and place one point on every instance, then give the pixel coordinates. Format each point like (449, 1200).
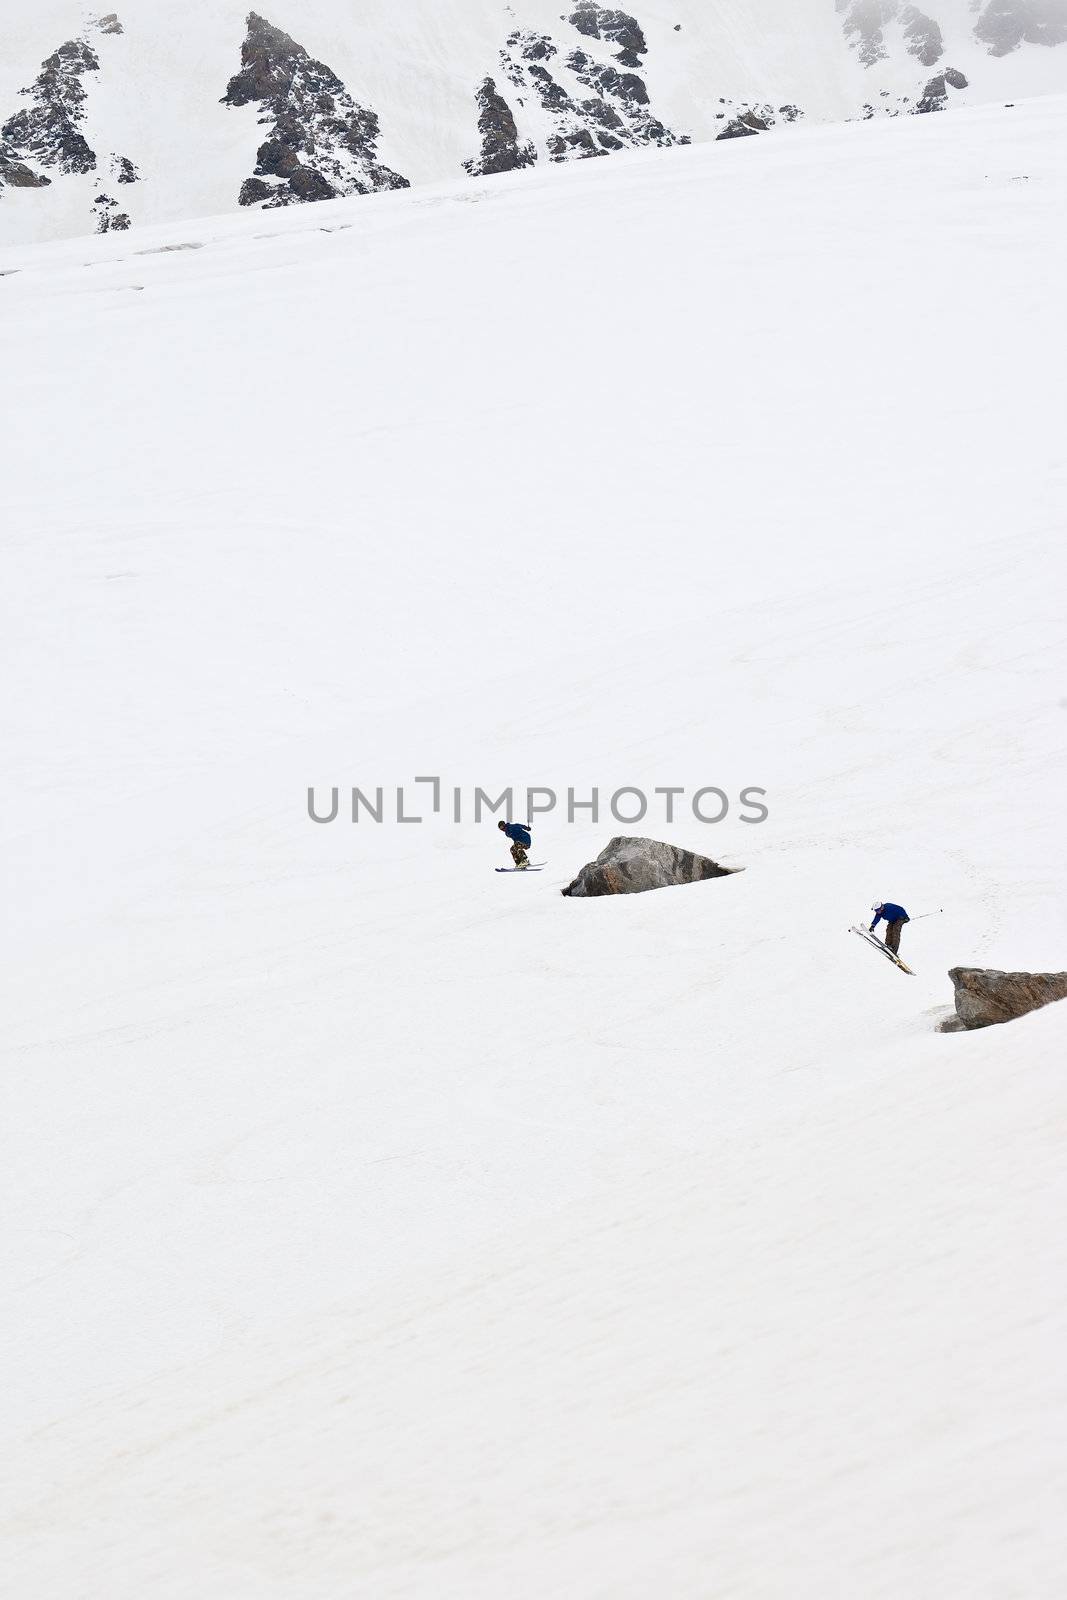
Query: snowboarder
(895, 917)
(519, 834)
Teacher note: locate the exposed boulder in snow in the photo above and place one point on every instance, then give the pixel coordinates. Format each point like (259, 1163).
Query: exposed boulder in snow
(501, 150)
(1006, 24)
(985, 996)
(322, 143)
(632, 866)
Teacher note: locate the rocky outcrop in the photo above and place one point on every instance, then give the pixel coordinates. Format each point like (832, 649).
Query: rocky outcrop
(14, 171)
(633, 866)
(321, 142)
(48, 129)
(597, 22)
(865, 23)
(109, 218)
(1006, 24)
(922, 35)
(590, 106)
(502, 150)
(744, 120)
(985, 996)
(935, 95)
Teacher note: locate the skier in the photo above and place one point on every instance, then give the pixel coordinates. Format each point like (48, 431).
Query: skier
(519, 834)
(895, 917)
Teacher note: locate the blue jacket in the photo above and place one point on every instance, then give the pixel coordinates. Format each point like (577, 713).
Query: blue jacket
(891, 913)
(518, 833)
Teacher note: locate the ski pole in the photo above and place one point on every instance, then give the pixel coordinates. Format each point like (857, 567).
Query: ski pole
(923, 914)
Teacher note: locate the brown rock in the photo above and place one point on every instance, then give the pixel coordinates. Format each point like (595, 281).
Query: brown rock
(985, 996)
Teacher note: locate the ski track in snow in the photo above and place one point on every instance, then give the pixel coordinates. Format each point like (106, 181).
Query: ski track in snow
(373, 1228)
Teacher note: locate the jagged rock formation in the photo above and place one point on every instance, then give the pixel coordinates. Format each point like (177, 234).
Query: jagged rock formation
(48, 129)
(596, 22)
(322, 143)
(633, 866)
(568, 103)
(935, 95)
(865, 23)
(502, 150)
(985, 996)
(1006, 24)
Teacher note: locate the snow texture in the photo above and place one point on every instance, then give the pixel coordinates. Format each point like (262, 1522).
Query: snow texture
(374, 1228)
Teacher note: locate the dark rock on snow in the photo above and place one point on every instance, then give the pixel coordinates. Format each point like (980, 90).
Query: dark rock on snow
(501, 149)
(322, 143)
(48, 129)
(633, 866)
(15, 171)
(985, 996)
(935, 95)
(597, 22)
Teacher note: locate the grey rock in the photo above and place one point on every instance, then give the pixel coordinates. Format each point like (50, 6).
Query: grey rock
(985, 996)
(923, 35)
(634, 866)
(599, 22)
(863, 25)
(1006, 24)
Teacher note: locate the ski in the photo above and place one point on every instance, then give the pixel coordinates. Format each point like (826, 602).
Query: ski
(535, 866)
(865, 933)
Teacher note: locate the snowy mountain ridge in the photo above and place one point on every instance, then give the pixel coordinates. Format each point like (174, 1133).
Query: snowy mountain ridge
(199, 111)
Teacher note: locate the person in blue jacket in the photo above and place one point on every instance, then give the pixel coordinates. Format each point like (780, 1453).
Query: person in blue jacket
(519, 834)
(895, 917)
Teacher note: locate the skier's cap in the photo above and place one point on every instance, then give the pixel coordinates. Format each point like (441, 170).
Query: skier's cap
(878, 904)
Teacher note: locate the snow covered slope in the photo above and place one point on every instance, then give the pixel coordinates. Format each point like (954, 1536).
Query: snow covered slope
(110, 120)
(376, 1225)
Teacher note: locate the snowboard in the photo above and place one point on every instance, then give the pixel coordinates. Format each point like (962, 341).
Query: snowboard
(865, 933)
